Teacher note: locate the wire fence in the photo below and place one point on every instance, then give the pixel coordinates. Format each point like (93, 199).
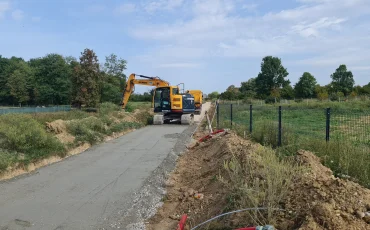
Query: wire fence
(60, 108)
(340, 136)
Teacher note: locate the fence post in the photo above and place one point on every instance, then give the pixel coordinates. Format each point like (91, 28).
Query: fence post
(327, 124)
(231, 115)
(279, 132)
(218, 114)
(250, 119)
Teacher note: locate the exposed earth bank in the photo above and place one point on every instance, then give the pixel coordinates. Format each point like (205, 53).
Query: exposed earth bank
(228, 173)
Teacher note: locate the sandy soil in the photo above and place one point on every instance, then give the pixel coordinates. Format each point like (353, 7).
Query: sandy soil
(316, 201)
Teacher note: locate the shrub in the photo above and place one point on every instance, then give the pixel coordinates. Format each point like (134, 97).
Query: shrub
(6, 159)
(119, 127)
(23, 134)
(107, 108)
(90, 129)
(271, 100)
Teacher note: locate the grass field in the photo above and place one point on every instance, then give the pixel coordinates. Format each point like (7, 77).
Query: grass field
(25, 138)
(304, 127)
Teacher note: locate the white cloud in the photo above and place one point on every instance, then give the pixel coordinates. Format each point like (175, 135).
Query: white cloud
(125, 8)
(4, 7)
(18, 15)
(312, 29)
(158, 5)
(317, 34)
(250, 7)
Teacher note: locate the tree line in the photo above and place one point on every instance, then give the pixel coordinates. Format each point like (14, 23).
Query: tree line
(63, 80)
(271, 84)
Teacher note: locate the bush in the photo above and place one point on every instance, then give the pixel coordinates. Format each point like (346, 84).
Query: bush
(25, 135)
(6, 159)
(107, 108)
(119, 127)
(271, 100)
(89, 129)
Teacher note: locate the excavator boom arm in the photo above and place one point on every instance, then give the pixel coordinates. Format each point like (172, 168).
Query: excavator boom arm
(132, 81)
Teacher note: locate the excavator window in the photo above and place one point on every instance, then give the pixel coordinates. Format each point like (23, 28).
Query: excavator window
(175, 91)
(162, 99)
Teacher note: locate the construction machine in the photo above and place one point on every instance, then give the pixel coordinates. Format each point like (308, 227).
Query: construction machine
(198, 99)
(168, 103)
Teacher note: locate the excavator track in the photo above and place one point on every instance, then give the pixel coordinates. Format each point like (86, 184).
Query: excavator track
(158, 119)
(187, 119)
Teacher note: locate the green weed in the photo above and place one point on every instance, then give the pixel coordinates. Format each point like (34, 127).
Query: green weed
(22, 134)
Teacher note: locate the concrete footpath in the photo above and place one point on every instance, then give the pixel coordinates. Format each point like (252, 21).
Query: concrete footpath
(88, 190)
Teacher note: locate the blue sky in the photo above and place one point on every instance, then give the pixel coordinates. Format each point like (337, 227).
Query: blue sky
(206, 44)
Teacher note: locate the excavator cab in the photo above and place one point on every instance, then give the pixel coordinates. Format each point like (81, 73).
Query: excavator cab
(171, 106)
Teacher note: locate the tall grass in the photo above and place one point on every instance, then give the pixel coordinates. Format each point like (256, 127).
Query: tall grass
(259, 180)
(342, 156)
(303, 127)
(24, 135)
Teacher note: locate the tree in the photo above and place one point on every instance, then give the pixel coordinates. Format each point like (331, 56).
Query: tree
(231, 93)
(287, 92)
(342, 80)
(7, 68)
(115, 66)
(110, 91)
(248, 88)
(17, 83)
(52, 81)
(271, 77)
(305, 87)
(214, 95)
(87, 80)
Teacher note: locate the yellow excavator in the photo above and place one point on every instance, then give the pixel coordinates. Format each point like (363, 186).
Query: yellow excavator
(169, 104)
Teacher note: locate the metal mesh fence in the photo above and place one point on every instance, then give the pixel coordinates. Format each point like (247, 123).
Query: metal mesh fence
(340, 136)
(35, 109)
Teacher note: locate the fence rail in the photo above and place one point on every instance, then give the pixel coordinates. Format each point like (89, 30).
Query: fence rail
(286, 123)
(35, 109)
(339, 136)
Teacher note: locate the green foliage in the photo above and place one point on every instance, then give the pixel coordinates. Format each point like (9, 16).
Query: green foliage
(141, 97)
(119, 127)
(272, 76)
(87, 80)
(107, 108)
(303, 127)
(42, 118)
(6, 159)
(214, 95)
(305, 88)
(90, 129)
(52, 79)
(287, 92)
(342, 80)
(231, 93)
(25, 135)
(17, 83)
(248, 88)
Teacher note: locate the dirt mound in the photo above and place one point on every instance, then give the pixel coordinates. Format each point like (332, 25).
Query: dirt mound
(193, 188)
(318, 200)
(59, 127)
(315, 199)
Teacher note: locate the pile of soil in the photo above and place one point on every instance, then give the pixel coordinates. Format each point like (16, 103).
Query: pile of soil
(59, 127)
(317, 200)
(320, 201)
